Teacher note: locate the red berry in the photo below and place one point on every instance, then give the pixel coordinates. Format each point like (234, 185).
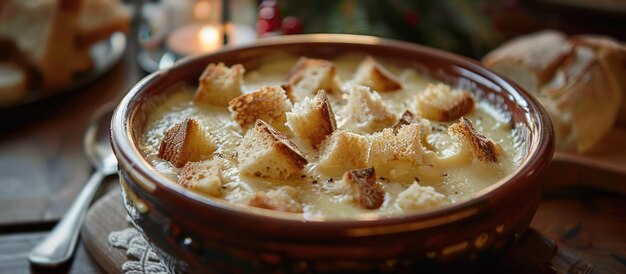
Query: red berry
(262, 27)
(271, 17)
(291, 25)
(270, 12)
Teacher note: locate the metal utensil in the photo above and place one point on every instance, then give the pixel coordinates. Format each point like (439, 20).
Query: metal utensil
(59, 245)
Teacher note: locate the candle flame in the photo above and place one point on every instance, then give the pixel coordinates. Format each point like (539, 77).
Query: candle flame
(209, 37)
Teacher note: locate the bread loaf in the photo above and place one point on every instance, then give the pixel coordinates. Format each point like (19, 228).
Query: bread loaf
(579, 80)
(55, 35)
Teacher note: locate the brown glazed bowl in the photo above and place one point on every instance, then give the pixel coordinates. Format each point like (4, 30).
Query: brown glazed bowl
(197, 234)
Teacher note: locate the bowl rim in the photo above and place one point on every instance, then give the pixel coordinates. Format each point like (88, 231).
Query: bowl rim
(539, 154)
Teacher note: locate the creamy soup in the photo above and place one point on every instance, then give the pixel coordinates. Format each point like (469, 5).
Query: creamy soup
(452, 177)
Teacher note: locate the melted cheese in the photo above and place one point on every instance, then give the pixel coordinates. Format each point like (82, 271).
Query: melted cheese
(321, 197)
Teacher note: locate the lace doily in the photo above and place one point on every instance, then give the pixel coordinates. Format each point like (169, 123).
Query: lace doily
(142, 259)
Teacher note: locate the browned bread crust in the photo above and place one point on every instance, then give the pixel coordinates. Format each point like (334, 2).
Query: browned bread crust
(370, 73)
(267, 153)
(268, 104)
(441, 103)
(539, 54)
(481, 147)
(312, 120)
(186, 142)
(406, 119)
(308, 76)
(219, 84)
(366, 191)
(578, 79)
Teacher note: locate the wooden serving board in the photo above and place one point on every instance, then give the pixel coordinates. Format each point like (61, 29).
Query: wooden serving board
(603, 168)
(105, 215)
(533, 254)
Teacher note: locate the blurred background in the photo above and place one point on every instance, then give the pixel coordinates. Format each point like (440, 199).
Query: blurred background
(468, 27)
(62, 59)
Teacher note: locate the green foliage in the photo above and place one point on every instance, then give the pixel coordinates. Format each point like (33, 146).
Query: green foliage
(454, 25)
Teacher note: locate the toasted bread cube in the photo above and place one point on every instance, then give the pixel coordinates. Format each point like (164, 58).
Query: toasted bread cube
(441, 103)
(341, 152)
(186, 142)
(205, 176)
(308, 76)
(366, 192)
(268, 104)
(283, 198)
(481, 147)
(366, 111)
(312, 120)
(417, 197)
(265, 152)
(406, 145)
(408, 118)
(370, 73)
(401, 157)
(219, 84)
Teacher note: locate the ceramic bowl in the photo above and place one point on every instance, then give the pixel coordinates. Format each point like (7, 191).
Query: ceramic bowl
(196, 234)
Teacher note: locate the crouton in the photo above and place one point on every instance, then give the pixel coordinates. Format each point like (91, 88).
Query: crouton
(341, 152)
(406, 145)
(312, 120)
(417, 197)
(370, 73)
(265, 152)
(308, 76)
(366, 112)
(481, 147)
(401, 157)
(440, 103)
(367, 193)
(219, 84)
(268, 104)
(281, 199)
(408, 118)
(205, 176)
(186, 142)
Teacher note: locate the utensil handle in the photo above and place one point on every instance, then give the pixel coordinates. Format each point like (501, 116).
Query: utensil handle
(59, 245)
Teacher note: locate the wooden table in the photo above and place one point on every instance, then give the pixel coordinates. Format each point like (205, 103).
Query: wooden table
(42, 168)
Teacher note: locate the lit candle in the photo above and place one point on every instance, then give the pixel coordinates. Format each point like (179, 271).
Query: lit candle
(208, 38)
(194, 39)
(207, 33)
